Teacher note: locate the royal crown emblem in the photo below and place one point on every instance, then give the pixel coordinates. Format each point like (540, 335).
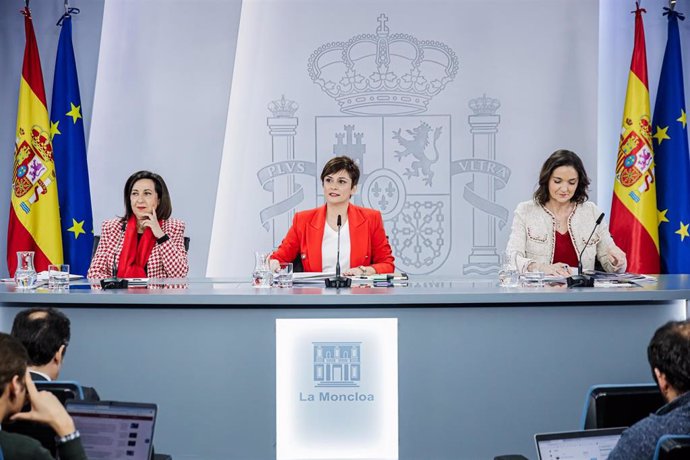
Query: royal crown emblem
(383, 73)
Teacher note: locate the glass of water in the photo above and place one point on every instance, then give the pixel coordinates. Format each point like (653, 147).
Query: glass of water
(283, 277)
(508, 276)
(58, 276)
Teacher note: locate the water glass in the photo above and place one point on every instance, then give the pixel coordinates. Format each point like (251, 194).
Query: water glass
(262, 276)
(283, 277)
(508, 276)
(58, 276)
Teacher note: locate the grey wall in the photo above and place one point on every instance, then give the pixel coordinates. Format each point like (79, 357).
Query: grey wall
(474, 381)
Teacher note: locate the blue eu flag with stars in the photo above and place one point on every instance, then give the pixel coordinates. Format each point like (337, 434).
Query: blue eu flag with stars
(670, 127)
(69, 147)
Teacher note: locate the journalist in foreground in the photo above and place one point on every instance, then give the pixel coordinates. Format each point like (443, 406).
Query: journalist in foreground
(364, 248)
(146, 242)
(17, 388)
(668, 354)
(551, 230)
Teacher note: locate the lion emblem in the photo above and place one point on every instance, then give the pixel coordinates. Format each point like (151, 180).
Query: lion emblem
(416, 146)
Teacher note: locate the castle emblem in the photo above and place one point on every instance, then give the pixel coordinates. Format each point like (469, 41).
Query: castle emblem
(337, 364)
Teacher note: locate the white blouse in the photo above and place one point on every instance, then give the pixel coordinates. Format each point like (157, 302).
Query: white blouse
(329, 248)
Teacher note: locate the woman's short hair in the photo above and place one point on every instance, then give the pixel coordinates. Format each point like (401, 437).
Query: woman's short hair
(556, 160)
(164, 208)
(342, 163)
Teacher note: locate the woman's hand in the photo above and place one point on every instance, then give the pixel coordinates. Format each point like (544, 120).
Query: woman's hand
(558, 269)
(151, 221)
(274, 265)
(359, 271)
(617, 260)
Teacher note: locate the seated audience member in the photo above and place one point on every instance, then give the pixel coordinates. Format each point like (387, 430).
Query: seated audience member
(146, 242)
(668, 354)
(364, 248)
(16, 386)
(45, 333)
(550, 230)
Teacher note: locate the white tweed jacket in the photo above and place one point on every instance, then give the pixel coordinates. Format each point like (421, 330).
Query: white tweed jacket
(533, 235)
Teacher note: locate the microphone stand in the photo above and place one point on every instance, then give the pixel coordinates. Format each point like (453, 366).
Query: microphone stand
(581, 280)
(338, 281)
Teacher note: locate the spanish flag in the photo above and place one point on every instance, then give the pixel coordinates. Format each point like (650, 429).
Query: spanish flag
(34, 223)
(633, 209)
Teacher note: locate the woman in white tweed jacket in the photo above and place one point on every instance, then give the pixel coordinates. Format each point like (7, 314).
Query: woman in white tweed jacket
(550, 230)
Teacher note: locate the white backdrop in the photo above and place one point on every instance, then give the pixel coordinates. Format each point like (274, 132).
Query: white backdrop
(537, 66)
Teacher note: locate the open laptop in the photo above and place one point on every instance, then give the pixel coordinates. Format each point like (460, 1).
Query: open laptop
(577, 445)
(113, 429)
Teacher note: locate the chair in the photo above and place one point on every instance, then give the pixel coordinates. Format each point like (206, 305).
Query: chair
(611, 406)
(63, 390)
(97, 239)
(672, 447)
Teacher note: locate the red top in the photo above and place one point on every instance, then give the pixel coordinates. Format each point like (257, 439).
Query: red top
(564, 252)
(368, 241)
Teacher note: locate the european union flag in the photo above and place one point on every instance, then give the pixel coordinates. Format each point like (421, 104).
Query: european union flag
(670, 127)
(69, 147)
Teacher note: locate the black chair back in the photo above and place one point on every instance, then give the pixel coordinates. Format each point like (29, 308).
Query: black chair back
(673, 447)
(611, 406)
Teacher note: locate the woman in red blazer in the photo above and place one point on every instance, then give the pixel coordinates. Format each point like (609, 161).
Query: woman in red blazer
(364, 248)
(146, 242)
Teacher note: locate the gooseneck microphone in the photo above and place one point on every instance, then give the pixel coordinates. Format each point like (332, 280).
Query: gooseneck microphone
(581, 280)
(338, 281)
(339, 223)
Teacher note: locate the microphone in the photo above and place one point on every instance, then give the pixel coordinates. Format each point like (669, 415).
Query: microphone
(581, 280)
(338, 281)
(338, 224)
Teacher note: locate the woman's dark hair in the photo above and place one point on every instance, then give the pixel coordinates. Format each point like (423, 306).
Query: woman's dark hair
(556, 160)
(342, 163)
(164, 208)
(669, 351)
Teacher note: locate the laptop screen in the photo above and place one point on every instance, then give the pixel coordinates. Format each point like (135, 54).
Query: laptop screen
(114, 430)
(577, 445)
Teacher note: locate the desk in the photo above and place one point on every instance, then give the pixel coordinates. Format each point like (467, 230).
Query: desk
(481, 368)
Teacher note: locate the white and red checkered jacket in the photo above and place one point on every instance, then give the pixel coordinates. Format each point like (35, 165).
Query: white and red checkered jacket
(167, 260)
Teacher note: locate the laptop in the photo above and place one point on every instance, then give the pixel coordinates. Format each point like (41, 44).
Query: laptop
(113, 429)
(577, 445)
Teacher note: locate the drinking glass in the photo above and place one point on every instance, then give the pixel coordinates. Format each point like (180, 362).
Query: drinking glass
(508, 276)
(58, 276)
(283, 277)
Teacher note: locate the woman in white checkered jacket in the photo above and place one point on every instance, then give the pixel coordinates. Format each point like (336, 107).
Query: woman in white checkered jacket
(146, 242)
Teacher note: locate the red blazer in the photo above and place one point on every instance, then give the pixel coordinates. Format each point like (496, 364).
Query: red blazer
(368, 243)
(167, 260)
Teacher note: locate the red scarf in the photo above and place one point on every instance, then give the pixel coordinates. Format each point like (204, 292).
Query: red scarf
(135, 253)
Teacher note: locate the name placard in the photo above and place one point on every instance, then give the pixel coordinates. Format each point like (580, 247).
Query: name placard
(337, 389)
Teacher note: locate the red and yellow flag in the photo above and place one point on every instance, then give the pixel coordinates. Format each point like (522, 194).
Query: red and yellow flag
(34, 223)
(633, 209)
